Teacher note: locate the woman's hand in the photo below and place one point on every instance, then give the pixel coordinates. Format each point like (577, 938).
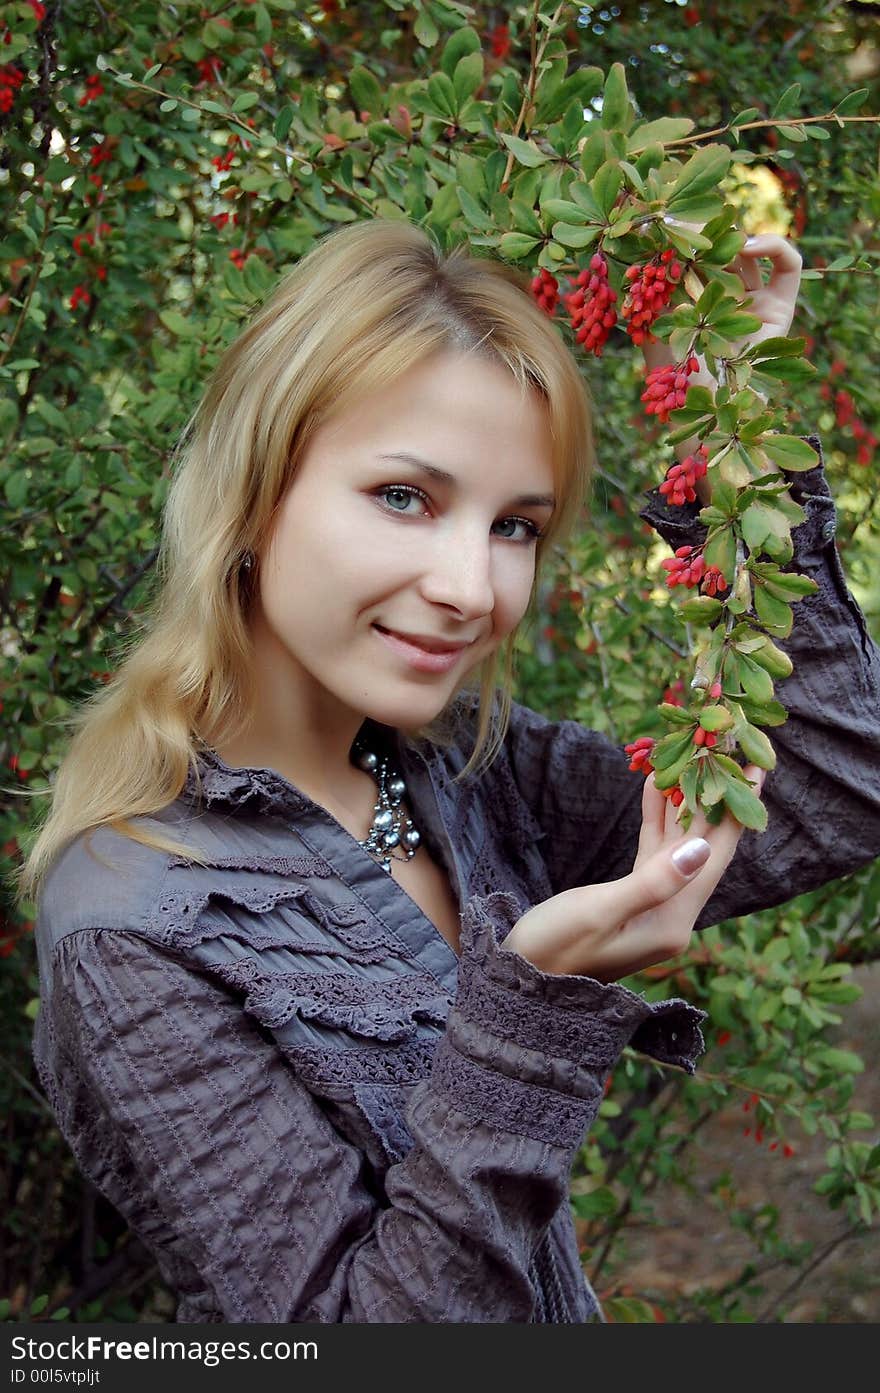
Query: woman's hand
(773, 302)
(609, 931)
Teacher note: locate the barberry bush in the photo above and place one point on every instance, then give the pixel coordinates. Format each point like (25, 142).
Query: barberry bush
(162, 166)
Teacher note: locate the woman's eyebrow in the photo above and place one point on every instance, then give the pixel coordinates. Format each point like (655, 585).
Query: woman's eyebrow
(524, 500)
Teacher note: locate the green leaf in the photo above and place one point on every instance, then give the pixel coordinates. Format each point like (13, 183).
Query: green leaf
(561, 209)
(470, 175)
(703, 172)
(598, 1204)
(283, 122)
(524, 218)
(615, 100)
(715, 719)
(772, 612)
(701, 609)
(771, 714)
(606, 186)
(736, 326)
(851, 102)
(524, 151)
(366, 92)
(262, 23)
(789, 452)
(668, 751)
(842, 1061)
(720, 551)
(442, 95)
(515, 245)
(746, 807)
(460, 43)
(788, 101)
(584, 197)
(772, 659)
(712, 783)
(665, 129)
(577, 237)
(467, 77)
(755, 746)
(16, 487)
(743, 117)
(758, 522)
(787, 585)
(175, 321)
(426, 30)
(472, 210)
(676, 715)
(245, 100)
(756, 681)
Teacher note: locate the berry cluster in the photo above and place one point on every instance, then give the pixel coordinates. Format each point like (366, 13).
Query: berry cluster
(83, 239)
(94, 89)
(686, 567)
(666, 388)
(650, 288)
(640, 754)
(11, 79)
(713, 581)
(787, 1149)
(209, 69)
(705, 737)
(846, 415)
(591, 307)
(545, 288)
(79, 297)
(499, 39)
(679, 484)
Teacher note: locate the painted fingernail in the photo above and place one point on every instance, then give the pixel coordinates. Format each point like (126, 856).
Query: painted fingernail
(689, 858)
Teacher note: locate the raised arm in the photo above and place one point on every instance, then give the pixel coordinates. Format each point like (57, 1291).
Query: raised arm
(823, 797)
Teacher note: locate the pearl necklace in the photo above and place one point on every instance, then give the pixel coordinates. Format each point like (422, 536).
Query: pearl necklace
(392, 827)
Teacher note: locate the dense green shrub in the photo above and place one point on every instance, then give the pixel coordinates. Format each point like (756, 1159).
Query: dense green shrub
(161, 167)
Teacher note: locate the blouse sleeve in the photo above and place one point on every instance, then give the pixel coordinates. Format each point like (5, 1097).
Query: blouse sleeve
(192, 1122)
(822, 798)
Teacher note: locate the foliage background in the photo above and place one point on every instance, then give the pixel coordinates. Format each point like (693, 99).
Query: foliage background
(139, 230)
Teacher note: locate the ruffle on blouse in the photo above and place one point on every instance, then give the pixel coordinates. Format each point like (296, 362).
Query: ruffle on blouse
(386, 1011)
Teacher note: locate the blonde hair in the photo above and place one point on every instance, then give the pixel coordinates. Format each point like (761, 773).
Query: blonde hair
(365, 304)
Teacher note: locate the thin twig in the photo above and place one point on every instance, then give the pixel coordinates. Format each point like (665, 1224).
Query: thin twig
(758, 125)
(537, 53)
(855, 1230)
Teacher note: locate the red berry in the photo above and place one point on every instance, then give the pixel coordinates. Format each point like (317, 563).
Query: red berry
(666, 389)
(591, 307)
(545, 288)
(650, 289)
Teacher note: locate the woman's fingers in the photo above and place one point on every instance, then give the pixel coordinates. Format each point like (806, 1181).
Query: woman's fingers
(786, 263)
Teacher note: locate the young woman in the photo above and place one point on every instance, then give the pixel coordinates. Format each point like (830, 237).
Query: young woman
(331, 930)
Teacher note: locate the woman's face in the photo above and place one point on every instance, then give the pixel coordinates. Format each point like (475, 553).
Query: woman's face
(356, 546)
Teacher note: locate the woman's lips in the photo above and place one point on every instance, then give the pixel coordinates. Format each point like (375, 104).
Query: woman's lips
(419, 658)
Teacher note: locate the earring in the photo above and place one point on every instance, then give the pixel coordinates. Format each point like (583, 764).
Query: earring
(248, 561)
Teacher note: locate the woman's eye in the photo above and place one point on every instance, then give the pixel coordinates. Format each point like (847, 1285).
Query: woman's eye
(402, 492)
(407, 491)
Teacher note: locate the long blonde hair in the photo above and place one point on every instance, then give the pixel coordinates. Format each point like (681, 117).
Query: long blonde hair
(366, 303)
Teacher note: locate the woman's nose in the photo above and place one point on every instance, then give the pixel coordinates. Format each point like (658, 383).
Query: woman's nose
(458, 572)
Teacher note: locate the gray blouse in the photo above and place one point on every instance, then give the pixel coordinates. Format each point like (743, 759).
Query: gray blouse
(302, 1101)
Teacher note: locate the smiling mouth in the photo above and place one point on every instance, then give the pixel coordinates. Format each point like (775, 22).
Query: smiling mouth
(426, 645)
